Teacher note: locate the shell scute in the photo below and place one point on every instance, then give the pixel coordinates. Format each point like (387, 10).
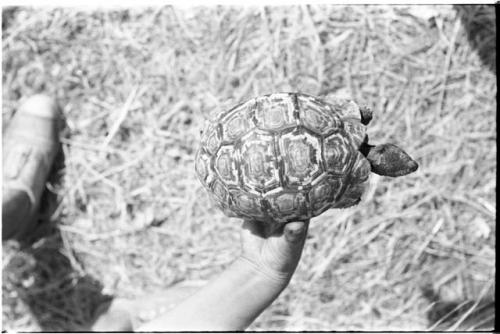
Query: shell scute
(225, 164)
(317, 116)
(236, 123)
(274, 112)
(288, 205)
(337, 152)
(284, 157)
(259, 162)
(301, 153)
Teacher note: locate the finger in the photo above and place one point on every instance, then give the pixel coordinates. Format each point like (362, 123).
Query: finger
(289, 244)
(295, 232)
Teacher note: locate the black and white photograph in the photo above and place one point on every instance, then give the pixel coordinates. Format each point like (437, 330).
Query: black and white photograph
(288, 167)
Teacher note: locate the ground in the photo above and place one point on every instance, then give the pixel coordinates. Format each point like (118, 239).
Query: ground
(124, 214)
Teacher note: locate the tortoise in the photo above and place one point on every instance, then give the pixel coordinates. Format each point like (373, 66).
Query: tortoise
(290, 156)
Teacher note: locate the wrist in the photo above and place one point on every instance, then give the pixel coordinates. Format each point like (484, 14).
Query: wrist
(263, 273)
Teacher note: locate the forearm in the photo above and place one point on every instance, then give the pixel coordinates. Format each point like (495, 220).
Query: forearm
(230, 302)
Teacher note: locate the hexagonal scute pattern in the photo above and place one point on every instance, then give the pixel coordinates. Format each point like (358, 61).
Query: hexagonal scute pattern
(236, 123)
(202, 166)
(337, 152)
(225, 165)
(247, 204)
(275, 112)
(314, 116)
(324, 192)
(259, 167)
(219, 190)
(286, 206)
(284, 157)
(211, 139)
(301, 153)
(361, 168)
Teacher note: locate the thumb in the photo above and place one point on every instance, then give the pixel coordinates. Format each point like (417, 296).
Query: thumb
(289, 245)
(286, 247)
(295, 234)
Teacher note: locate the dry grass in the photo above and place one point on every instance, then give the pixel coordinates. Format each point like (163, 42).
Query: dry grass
(130, 216)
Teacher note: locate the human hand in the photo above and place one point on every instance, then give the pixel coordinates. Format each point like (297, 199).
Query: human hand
(274, 253)
(246, 288)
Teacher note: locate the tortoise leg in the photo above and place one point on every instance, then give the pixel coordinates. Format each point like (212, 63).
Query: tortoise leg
(388, 160)
(366, 115)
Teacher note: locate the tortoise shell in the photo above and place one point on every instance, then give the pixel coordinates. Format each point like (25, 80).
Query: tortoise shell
(284, 157)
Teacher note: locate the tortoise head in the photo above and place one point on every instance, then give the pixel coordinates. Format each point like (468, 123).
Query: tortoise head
(388, 160)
